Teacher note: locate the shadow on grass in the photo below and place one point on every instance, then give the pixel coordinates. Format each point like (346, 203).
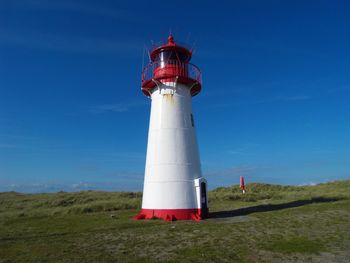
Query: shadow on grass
(269, 207)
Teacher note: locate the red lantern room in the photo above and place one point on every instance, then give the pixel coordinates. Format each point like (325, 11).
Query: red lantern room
(170, 63)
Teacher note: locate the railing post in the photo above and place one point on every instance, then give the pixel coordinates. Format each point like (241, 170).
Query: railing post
(177, 68)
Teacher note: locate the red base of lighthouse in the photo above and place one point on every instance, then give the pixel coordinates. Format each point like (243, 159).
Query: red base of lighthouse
(171, 214)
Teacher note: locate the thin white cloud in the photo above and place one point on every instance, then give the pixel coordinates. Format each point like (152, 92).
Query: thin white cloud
(235, 171)
(17, 136)
(290, 98)
(342, 88)
(280, 98)
(49, 41)
(81, 185)
(238, 49)
(119, 184)
(245, 149)
(273, 99)
(29, 37)
(7, 146)
(323, 151)
(111, 108)
(117, 107)
(81, 7)
(308, 183)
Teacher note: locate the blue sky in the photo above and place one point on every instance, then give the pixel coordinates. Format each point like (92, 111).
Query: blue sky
(274, 105)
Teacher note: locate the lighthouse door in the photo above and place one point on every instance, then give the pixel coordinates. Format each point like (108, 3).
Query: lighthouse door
(204, 205)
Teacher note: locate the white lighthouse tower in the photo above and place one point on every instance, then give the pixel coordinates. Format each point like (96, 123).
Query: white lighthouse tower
(174, 188)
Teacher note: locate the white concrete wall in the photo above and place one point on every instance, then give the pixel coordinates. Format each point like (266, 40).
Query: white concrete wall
(172, 162)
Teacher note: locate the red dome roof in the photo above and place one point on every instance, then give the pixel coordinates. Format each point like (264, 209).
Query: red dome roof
(170, 45)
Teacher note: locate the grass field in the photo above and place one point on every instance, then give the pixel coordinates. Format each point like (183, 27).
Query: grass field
(270, 223)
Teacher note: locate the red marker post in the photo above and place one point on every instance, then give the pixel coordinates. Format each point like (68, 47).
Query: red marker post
(241, 184)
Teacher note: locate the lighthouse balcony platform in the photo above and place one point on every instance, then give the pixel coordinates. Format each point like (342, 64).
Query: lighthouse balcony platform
(171, 71)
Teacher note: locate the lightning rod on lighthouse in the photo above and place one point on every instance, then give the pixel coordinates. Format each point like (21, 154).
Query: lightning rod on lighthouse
(174, 188)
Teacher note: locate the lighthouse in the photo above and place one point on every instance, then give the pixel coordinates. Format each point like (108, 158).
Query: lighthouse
(174, 188)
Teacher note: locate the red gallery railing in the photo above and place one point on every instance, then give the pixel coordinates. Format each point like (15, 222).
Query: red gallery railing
(170, 70)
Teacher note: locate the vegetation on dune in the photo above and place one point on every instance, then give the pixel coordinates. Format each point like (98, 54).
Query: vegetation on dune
(12, 203)
(270, 223)
(258, 192)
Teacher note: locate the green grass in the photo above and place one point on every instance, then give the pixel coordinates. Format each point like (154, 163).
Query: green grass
(296, 244)
(270, 223)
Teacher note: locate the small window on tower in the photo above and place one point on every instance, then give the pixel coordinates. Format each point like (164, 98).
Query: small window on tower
(192, 120)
